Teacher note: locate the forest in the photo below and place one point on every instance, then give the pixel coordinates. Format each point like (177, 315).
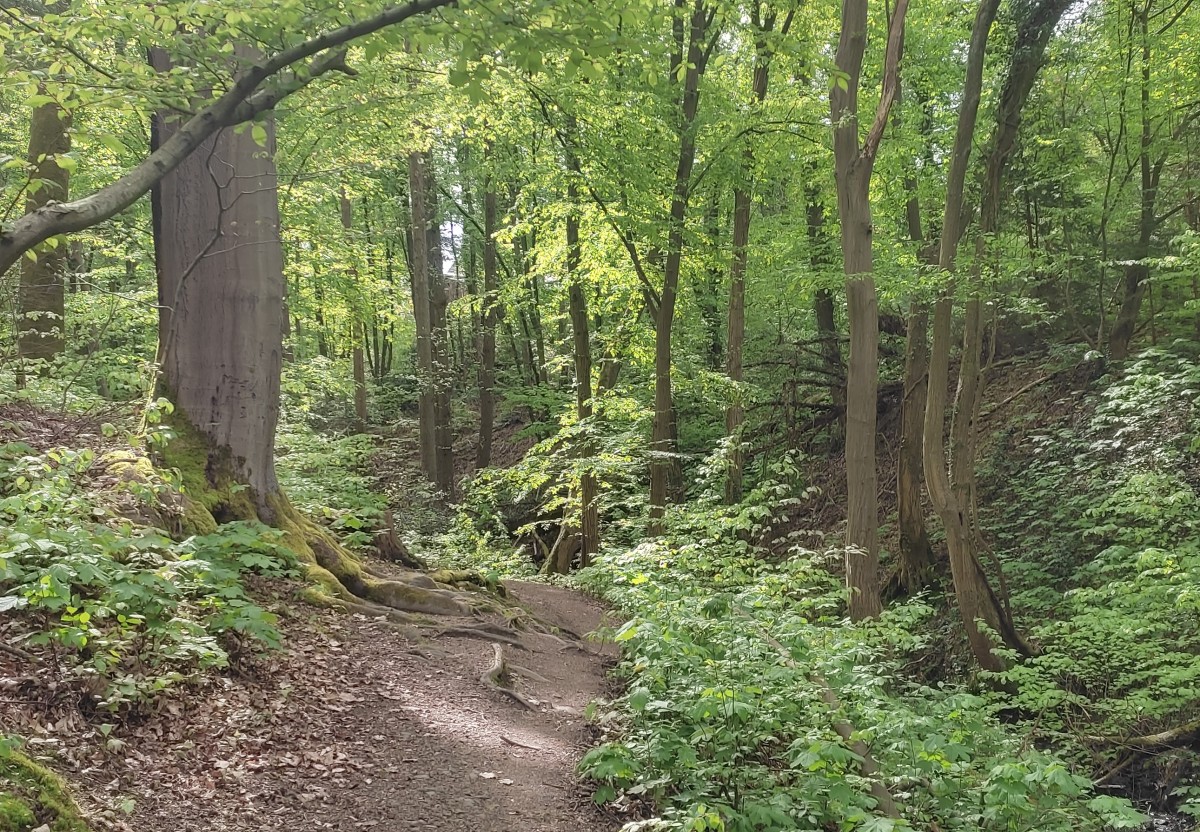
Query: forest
(532, 415)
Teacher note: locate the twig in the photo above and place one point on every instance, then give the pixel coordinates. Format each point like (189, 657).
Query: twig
(519, 744)
(17, 652)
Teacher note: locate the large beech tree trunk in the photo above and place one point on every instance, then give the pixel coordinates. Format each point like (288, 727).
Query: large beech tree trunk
(41, 291)
(221, 291)
(220, 294)
(853, 164)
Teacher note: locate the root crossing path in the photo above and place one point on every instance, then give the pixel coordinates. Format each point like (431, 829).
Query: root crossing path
(361, 728)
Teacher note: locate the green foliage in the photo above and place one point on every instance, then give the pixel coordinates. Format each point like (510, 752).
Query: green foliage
(126, 610)
(1118, 650)
(728, 655)
(325, 478)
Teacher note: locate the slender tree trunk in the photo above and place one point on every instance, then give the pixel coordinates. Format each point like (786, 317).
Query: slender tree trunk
(587, 537)
(440, 336)
(709, 294)
(1137, 272)
(41, 325)
(426, 374)
(853, 164)
(735, 413)
(823, 307)
(357, 331)
(953, 492)
(916, 559)
(487, 331)
(662, 444)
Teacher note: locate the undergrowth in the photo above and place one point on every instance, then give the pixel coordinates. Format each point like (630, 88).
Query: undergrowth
(121, 608)
(724, 725)
(1119, 648)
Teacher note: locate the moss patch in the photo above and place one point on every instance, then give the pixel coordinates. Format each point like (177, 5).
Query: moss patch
(208, 477)
(31, 795)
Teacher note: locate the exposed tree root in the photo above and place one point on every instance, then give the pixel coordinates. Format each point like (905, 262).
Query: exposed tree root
(212, 485)
(496, 673)
(391, 547)
(527, 673)
(481, 634)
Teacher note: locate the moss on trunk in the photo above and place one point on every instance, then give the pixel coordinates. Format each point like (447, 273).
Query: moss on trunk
(215, 495)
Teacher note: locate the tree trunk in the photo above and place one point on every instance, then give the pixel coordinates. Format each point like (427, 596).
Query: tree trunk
(357, 331)
(585, 539)
(443, 380)
(853, 165)
(735, 413)
(916, 554)
(662, 445)
(41, 323)
(421, 314)
(952, 493)
(487, 331)
(823, 308)
(916, 560)
(1137, 272)
(220, 283)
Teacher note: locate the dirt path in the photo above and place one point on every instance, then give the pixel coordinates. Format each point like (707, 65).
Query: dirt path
(359, 728)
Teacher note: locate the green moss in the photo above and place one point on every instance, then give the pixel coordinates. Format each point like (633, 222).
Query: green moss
(208, 474)
(33, 796)
(197, 519)
(15, 814)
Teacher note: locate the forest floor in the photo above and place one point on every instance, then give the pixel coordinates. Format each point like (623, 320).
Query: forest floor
(355, 725)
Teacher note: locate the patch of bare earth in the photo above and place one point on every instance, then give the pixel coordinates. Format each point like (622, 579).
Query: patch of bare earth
(354, 727)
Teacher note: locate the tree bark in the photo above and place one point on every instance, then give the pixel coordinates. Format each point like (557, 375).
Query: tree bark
(662, 446)
(853, 164)
(221, 287)
(220, 294)
(916, 560)
(585, 539)
(357, 331)
(443, 380)
(1137, 272)
(487, 331)
(426, 375)
(735, 413)
(953, 492)
(41, 325)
